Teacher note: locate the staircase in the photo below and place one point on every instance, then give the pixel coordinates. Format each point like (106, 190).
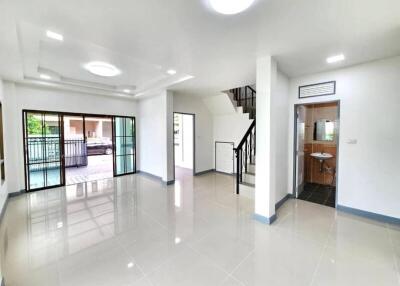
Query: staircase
(245, 97)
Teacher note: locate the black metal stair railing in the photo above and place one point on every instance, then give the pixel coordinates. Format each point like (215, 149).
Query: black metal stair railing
(245, 154)
(246, 97)
(246, 150)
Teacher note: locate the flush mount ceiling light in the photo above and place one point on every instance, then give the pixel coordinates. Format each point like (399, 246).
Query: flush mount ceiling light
(45, 76)
(126, 90)
(54, 36)
(102, 69)
(171, 72)
(335, 59)
(230, 7)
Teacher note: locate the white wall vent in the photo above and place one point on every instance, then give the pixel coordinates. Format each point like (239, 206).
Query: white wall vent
(318, 89)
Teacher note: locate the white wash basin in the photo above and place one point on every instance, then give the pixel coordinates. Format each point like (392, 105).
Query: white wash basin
(321, 156)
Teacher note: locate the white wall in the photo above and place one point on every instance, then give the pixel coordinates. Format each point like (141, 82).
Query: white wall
(3, 185)
(231, 128)
(264, 192)
(368, 172)
(155, 136)
(220, 104)
(272, 139)
(151, 125)
(19, 97)
(204, 141)
(279, 136)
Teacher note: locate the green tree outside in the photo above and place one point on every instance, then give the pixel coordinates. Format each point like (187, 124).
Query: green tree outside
(35, 126)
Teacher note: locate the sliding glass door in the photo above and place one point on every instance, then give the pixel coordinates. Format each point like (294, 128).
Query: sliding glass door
(54, 141)
(124, 145)
(43, 150)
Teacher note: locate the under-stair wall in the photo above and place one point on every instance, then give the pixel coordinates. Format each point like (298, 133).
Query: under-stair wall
(229, 121)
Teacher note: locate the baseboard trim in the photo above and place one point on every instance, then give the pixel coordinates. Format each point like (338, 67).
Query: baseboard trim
(264, 219)
(204, 172)
(15, 194)
(150, 175)
(223, 173)
(3, 210)
(282, 201)
(370, 215)
(169, 182)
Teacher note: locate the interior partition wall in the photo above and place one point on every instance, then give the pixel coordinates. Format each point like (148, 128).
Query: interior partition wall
(45, 154)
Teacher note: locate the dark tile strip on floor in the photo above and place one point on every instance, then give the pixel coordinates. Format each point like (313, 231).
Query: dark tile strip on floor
(320, 194)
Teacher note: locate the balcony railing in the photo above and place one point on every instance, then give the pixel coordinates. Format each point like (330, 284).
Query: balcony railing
(45, 153)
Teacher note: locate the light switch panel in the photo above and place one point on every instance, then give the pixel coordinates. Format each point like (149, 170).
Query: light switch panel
(352, 141)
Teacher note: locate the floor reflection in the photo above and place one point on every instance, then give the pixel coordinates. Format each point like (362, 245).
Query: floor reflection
(134, 230)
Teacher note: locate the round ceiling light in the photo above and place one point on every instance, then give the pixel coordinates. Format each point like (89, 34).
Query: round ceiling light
(102, 69)
(230, 7)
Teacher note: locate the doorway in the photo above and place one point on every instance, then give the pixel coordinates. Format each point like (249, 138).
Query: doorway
(316, 152)
(67, 148)
(88, 148)
(184, 144)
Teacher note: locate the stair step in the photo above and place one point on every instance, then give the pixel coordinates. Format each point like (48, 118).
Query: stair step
(247, 190)
(248, 184)
(249, 178)
(251, 168)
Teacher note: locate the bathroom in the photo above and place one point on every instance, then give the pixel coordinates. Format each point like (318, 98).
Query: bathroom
(316, 152)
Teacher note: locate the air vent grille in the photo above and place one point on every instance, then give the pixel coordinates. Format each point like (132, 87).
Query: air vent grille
(318, 89)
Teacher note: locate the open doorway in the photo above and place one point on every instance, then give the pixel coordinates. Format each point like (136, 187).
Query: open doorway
(316, 152)
(184, 146)
(88, 148)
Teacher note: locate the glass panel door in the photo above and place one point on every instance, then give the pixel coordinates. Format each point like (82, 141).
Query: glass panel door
(43, 150)
(124, 144)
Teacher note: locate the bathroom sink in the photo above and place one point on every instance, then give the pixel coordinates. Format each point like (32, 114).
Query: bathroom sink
(321, 156)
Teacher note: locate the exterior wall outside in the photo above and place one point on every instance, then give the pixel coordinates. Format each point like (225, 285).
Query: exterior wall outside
(368, 168)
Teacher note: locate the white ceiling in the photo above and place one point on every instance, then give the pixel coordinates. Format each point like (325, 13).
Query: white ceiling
(144, 38)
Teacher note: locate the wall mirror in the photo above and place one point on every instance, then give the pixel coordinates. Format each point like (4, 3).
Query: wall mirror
(324, 130)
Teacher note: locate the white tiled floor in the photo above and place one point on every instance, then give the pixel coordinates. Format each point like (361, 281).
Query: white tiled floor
(135, 231)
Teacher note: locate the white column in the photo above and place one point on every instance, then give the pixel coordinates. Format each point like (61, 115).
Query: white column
(264, 192)
(170, 136)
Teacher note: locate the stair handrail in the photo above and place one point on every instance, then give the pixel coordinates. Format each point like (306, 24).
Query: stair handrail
(246, 98)
(245, 153)
(252, 89)
(246, 135)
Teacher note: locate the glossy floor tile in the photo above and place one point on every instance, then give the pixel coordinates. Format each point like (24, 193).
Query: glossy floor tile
(134, 230)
